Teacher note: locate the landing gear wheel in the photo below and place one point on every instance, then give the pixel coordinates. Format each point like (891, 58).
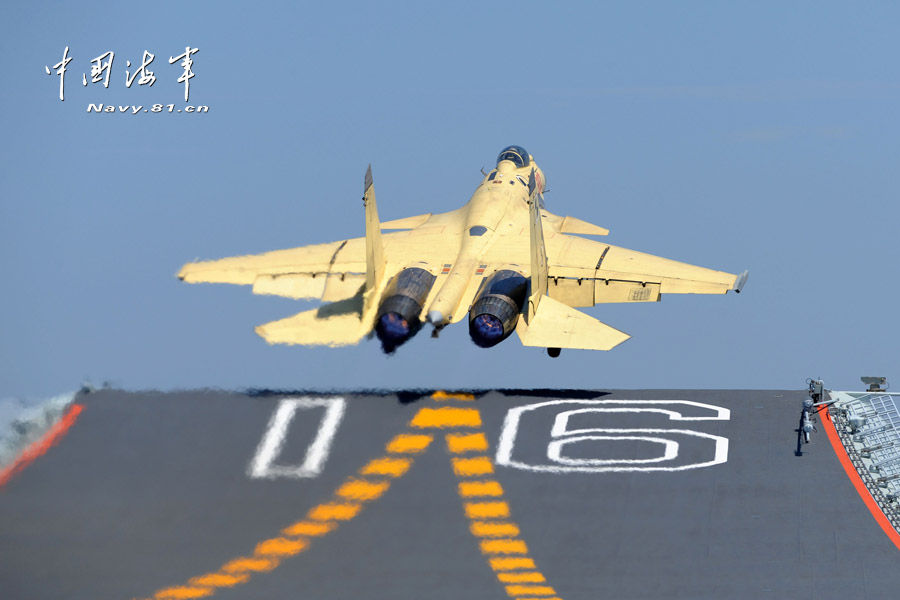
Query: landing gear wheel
(553, 352)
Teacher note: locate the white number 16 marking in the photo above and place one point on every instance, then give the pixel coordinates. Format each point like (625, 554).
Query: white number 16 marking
(561, 436)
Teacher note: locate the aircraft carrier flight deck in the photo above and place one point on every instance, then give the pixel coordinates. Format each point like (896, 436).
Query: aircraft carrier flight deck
(520, 494)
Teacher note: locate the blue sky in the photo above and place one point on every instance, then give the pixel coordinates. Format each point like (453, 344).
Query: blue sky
(760, 136)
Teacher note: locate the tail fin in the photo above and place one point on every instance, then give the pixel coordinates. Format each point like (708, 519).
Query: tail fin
(374, 248)
(538, 251)
(556, 325)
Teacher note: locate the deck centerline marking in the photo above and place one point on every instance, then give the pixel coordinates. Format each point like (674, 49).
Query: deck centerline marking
(504, 546)
(446, 417)
(536, 590)
(487, 510)
(185, 592)
(459, 443)
(246, 564)
(469, 489)
(219, 579)
(406, 443)
(281, 546)
(310, 528)
(503, 529)
(482, 502)
(463, 397)
(335, 511)
(393, 467)
(503, 563)
(362, 490)
(472, 467)
(490, 521)
(522, 577)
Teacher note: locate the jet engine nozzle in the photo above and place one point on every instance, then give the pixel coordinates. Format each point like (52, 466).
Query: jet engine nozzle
(398, 316)
(495, 313)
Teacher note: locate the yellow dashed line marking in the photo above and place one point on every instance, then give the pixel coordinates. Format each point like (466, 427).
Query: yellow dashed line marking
(309, 528)
(471, 467)
(334, 512)
(487, 510)
(496, 537)
(511, 564)
(349, 498)
(536, 590)
(527, 577)
(439, 396)
(409, 444)
(181, 592)
(457, 443)
(469, 489)
(493, 529)
(362, 490)
(393, 467)
(219, 580)
(448, 416)
(244, 564)
(503, 547)
(280, 547)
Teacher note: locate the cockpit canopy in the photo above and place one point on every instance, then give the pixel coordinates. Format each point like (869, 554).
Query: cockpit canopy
(516, 154)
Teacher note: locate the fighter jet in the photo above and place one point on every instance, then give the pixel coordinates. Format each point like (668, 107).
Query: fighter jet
(502, 260)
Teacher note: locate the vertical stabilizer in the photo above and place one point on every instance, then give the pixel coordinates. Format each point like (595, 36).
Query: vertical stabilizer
(538, 251)
(374, 246)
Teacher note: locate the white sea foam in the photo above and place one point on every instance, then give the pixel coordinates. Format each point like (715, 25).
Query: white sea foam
(24, 421)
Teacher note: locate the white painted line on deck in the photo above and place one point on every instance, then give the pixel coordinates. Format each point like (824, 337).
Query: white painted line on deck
(270, 446)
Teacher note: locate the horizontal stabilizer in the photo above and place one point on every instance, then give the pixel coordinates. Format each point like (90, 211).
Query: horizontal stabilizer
(556, 325)
(334, 324)
(579, 227)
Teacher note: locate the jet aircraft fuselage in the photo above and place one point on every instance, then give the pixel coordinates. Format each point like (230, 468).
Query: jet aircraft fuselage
(501, 258)
(500, 203)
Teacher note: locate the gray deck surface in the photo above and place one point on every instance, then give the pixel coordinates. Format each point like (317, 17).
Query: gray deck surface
(149, 489)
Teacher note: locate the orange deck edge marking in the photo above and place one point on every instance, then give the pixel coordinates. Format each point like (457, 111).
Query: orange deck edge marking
(861, 489)
(41, 446)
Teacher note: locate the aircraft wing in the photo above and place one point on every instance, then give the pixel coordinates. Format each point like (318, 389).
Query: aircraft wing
(334, 273)
(583, 272)
(295, 273)
(336, 270)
